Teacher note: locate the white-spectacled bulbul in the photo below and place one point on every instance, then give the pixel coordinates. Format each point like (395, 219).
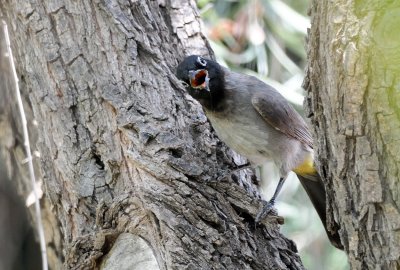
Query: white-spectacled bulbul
(257, 122)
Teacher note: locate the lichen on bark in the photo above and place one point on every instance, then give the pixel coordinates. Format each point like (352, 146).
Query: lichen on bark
(353, 103)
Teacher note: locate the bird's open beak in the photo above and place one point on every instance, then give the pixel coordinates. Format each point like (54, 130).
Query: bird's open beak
(199, 79)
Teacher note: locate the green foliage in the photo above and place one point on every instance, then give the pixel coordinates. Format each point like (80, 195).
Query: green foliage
(266, 38)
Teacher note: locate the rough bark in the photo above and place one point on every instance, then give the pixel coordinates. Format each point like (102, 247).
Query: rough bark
(123, 149)
(14, 169)
(353, 99)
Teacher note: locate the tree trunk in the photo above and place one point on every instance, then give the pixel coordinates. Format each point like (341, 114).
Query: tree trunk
(126, 154)
(353, 100)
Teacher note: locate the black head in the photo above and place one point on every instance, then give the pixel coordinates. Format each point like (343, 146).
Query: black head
(203, 78)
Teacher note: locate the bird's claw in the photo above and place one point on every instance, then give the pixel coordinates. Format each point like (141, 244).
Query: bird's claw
(266, 209)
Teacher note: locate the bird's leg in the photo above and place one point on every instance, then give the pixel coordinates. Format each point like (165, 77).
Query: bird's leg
(235, 170)
(267, 206)
(241, 167)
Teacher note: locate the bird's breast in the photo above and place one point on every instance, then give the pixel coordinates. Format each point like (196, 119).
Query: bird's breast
(244, 133)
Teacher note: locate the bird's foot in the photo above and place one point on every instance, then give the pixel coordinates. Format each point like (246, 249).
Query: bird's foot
(267, 208)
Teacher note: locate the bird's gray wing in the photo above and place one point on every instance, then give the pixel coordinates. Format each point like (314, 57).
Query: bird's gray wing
(277, 112)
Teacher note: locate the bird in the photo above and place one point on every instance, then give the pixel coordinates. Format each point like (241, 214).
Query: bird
(257, 122)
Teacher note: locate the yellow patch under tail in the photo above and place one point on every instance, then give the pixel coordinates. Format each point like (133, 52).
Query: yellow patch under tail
(307, 167)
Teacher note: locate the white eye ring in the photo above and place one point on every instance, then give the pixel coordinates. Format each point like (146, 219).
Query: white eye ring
(185, 84)
(201, 61)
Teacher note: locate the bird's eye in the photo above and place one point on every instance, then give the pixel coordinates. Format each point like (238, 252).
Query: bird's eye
(185, 84)
(201, 61)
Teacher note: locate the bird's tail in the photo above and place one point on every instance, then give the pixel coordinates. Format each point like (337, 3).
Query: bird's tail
(316, 191)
